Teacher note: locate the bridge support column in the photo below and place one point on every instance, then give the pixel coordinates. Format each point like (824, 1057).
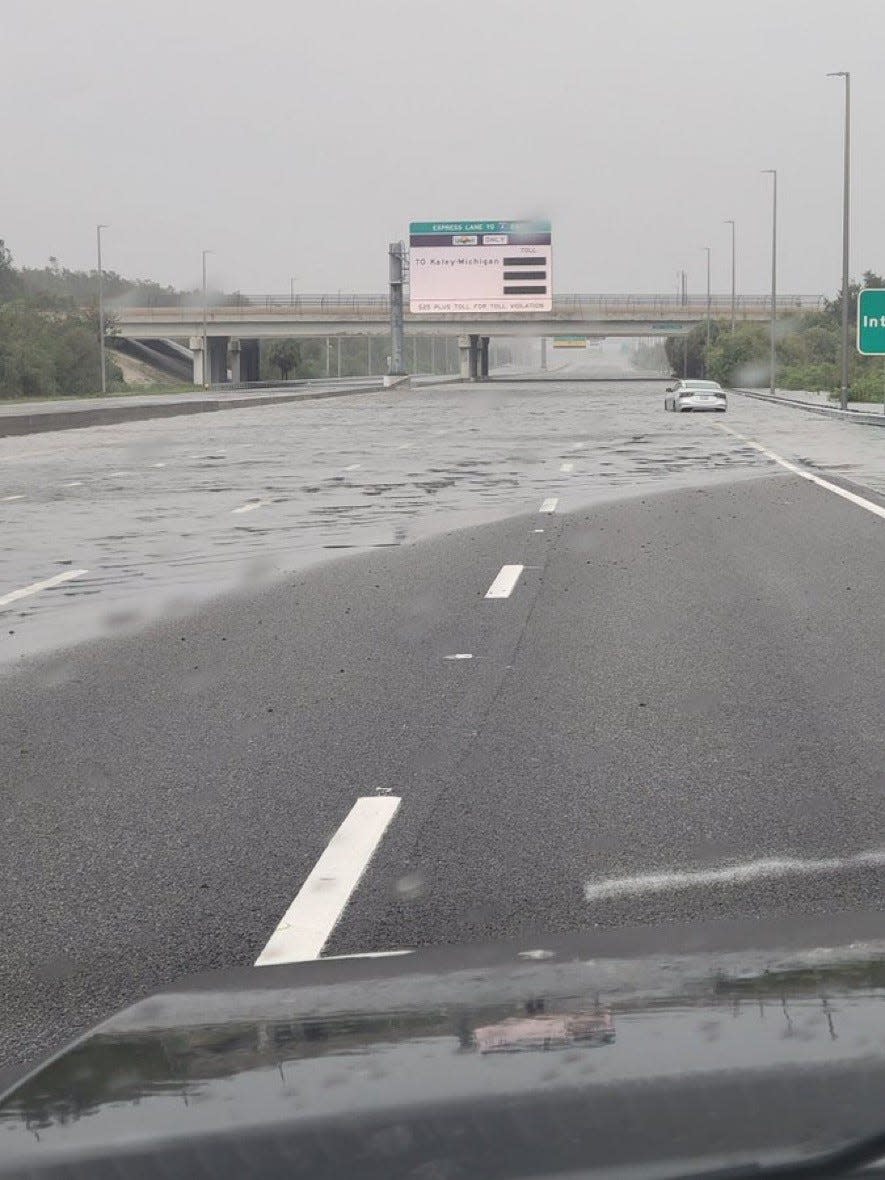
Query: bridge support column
(544, 353)
(483, 358)
(196, 346)
(244, 360)
(234, 358)
(469, 347)
(217, 371)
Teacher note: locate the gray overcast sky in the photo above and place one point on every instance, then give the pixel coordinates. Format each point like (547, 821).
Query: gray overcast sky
(297, 138)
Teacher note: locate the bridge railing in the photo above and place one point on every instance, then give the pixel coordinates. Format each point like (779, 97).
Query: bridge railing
(580, 304)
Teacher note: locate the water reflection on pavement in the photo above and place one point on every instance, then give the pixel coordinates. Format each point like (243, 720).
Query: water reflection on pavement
(166, 513)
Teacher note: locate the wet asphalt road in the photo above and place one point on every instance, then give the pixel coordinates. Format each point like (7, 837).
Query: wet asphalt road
(687, 678)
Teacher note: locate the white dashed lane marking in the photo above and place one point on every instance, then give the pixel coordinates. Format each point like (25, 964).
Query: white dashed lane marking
(504, 584)
(567, 466)
(309, 921)
(9, 499)
(549, 505)
(36, 587)
(250, 507)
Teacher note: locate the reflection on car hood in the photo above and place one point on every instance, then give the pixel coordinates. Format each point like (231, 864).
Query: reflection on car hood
(602, 1052)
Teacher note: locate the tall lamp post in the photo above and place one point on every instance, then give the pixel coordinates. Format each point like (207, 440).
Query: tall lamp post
(206, 365)
(292, 292)
(772, 172)
(709, 305)
(104, 380)
(730, 221)
(846, 231)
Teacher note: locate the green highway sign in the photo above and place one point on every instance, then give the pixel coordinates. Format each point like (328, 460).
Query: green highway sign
(871, 322)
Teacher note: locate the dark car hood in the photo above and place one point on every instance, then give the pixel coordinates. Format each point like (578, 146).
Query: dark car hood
(660, 1051)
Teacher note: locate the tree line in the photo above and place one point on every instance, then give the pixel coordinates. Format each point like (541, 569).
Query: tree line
(49, 343)
(808, 350)
(49, 333)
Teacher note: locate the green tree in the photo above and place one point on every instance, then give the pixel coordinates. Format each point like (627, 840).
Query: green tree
(10, 280)
(27, 367)
(685, 354)
(284, 355)
(741, 358)
(833, 307)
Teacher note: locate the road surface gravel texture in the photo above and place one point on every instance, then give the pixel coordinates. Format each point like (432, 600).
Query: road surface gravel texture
(673, 713)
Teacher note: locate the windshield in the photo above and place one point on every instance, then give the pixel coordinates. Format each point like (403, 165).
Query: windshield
(369, 580)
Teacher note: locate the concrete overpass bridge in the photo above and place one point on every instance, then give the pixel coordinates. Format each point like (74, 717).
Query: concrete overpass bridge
(233, 329)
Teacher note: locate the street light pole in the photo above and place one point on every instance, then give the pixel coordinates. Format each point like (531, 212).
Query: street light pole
(730, 222)
(846, 232)
(104, 381)
(205, 325)
(772, 172)
(709, 305)
(292, 292)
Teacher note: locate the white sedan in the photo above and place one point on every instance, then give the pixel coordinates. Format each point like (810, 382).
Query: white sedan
(695, 395)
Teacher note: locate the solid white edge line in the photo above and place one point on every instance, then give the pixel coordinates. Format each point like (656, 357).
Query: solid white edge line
(9, 499)
(734, 874)
(46, 584)
(549, 505)
(504, 583)
(876, 509)
(307, 924)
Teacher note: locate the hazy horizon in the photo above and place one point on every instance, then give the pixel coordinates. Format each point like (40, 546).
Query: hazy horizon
(299, 141)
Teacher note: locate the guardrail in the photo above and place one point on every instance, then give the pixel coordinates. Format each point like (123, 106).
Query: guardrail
(866, 417)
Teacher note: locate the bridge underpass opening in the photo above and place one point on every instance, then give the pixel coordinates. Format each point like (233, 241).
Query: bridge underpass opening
(229, 360)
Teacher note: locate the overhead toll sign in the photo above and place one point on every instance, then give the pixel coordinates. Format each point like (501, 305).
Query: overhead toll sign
(480, 266)
(871, 321)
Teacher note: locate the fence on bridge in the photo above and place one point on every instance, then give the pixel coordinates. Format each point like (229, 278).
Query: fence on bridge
(581, 305)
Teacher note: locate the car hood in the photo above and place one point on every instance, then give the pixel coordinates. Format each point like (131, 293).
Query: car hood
(656, 1051)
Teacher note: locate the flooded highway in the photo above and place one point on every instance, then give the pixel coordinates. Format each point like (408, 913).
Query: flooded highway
(162, 515)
